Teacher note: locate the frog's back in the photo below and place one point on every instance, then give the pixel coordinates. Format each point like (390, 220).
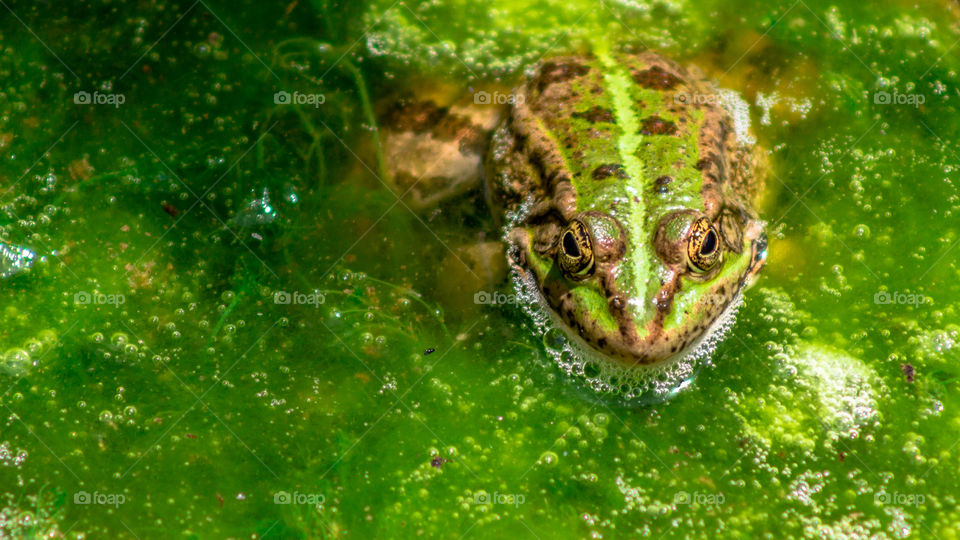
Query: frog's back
(656, 133)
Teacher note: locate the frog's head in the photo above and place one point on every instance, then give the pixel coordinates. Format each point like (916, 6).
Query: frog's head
(643, 299)
(639, 232)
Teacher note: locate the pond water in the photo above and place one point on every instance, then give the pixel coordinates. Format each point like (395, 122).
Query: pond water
(217, 322)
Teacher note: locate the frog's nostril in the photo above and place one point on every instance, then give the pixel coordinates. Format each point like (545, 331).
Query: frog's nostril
(760, 249)
(570, 245)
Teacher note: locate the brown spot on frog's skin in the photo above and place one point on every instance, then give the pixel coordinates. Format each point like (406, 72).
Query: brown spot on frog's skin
(552, 72)
(663, 301)
(654, 125)
(661, 183)
(656, 78)
(606, 171)
(596, 114)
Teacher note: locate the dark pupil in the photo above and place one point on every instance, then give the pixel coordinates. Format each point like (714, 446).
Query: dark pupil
(570, 246)
(709, 244)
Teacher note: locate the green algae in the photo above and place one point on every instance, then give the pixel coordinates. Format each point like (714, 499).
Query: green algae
(256, 358)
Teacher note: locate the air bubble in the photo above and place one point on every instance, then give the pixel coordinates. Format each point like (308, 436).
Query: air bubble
(554, 339)
(591, 369)
(549, 459)
(16, 362)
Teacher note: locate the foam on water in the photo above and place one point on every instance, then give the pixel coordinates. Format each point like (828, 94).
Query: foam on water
(739, 110)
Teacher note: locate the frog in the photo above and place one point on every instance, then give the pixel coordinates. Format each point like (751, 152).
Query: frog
(626, 193)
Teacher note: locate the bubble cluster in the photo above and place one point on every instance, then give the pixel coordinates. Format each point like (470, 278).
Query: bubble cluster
(19, 361)
(14, 260)
(739, 110)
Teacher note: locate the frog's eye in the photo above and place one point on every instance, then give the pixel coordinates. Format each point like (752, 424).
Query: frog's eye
(575, 253)
(703, 246)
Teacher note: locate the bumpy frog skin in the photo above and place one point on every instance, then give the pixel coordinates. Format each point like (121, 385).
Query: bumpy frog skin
(633, 192)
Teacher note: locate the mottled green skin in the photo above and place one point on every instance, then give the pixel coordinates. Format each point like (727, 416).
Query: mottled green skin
(636, 148)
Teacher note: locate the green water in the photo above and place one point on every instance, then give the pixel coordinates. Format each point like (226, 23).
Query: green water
(153, 387)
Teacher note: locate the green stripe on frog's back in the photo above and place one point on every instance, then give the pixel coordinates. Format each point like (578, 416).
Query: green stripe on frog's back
(670, 150)
(626, 197)
(654, 168)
